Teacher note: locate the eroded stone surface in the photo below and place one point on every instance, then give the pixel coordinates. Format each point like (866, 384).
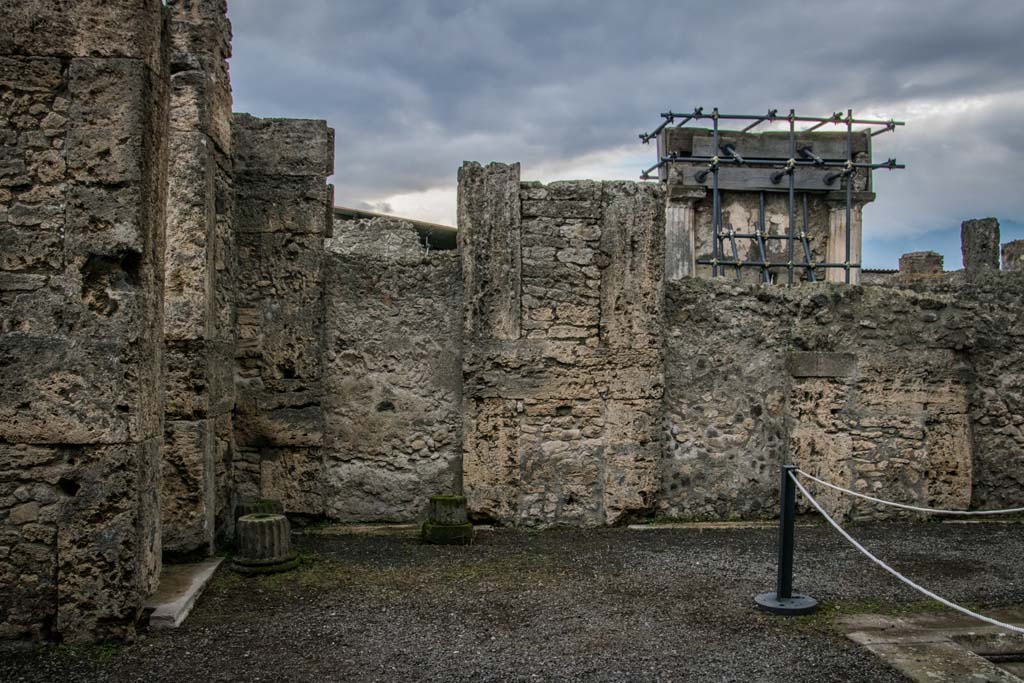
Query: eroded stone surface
(393, 372)
(979, 242)
(83, 103)
(563, 377)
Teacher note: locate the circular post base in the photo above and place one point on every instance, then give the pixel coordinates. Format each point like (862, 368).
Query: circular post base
(789, 607)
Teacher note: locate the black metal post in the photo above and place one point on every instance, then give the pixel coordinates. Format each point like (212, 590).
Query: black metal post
(787, 515)
(849, 189)
(792, 198)
(716, 207)
(783, 601)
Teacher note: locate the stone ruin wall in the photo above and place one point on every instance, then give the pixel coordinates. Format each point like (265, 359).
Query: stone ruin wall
(158, 365)
(562, 346)
(83, 163)
(393, 413)
(868, 388)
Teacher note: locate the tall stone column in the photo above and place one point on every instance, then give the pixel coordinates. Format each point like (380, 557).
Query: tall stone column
(836, 249)
(83, 173)
(490, 246)
(489, 238)
(680, 224)
(283, 211)
(198, 291)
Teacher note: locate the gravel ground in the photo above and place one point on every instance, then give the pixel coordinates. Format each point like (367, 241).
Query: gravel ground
(597, 605)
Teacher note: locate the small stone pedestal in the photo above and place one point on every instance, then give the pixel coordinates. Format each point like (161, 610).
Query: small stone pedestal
(254, 505)
(264, 544)
(447, 523)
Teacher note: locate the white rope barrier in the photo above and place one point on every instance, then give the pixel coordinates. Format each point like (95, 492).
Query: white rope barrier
(933, 511)
(883, 565)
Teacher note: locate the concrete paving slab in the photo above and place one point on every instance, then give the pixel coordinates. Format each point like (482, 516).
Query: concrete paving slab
(180, 587)
(944, 646)
(940, 663)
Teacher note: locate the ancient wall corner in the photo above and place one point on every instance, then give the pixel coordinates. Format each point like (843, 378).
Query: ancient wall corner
(200, 281)
(82, 200)
(282, 214)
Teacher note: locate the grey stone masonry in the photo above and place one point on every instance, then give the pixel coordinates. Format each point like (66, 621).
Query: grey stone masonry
(920, 266)
(393, 382)
(199, 283)
(562, 354)
(83, 164)
(283, 212)
(1013, 256)
(979, 243)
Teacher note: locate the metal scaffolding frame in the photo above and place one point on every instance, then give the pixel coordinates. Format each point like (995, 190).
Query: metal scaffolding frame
(726, 154)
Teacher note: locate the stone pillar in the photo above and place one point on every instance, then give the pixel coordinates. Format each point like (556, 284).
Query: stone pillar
(83, 116)
(680, 225)
(1013, 256)
(283, 211)
(198, 291)
(836, 250)
(489, 241)
(562, 353)
(920, 266)
(979, 244)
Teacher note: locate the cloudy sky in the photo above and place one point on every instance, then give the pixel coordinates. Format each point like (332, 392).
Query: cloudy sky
(414, 87)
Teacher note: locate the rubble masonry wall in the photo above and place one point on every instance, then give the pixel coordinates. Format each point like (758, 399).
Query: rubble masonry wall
(393, 364)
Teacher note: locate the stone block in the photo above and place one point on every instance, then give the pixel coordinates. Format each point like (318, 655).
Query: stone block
(295, 477)
(56, 390)
(30, 249)
(287, 204)
(285, 147)
(1013, 256)
(632, 242)
(108, 93)
(108, 542)
(921, 266)
(190, 237)
(106, 219)
(447, 510)
(491, 459)
(199, 104)
(490, 245)
(30, 74)
(822, 364)
(83, 28)
(188, 487)
(276, 423)
(199, 379)
(104, 155)
(979, 242)
(280, 305)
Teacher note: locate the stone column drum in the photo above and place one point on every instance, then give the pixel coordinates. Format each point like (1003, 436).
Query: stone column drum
(447, 523)
(264, 544)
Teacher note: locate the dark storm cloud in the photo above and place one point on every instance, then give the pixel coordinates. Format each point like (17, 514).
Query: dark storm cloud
(414, 87)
